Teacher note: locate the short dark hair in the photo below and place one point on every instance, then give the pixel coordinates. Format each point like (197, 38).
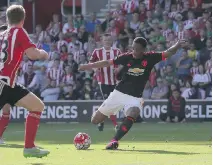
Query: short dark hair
(15, 14)
(141, 40)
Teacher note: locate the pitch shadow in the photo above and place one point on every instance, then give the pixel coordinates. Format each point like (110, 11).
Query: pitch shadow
(157, 152)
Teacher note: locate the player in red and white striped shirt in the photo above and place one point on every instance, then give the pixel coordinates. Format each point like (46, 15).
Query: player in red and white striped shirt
(195, 68)
(106, 76)
(56, 73)
(129, 6)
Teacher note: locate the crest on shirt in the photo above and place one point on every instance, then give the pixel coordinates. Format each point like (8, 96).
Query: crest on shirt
(144, 63)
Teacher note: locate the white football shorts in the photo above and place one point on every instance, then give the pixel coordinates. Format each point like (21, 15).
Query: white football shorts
(118, 101)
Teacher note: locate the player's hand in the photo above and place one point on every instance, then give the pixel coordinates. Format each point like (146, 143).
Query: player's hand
(44, 54)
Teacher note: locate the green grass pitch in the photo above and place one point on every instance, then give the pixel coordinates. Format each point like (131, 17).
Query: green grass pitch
(145, 144)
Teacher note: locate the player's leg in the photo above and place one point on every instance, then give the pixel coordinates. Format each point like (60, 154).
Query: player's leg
(106, 90)
(110, 106)
(23, 98)
(131, 114)
(4, 121)
(35, 107)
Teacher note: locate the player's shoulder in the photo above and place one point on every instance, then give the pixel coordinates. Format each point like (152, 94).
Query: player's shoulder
(127, 54)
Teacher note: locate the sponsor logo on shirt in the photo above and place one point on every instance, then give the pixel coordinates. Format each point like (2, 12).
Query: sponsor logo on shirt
(135, 71)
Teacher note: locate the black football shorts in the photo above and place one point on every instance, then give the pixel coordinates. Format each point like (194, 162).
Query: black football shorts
(10, 95)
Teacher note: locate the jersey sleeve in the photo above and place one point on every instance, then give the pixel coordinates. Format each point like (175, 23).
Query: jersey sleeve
(94, 56)
(122, 59)
(156, 57)
(24, 40)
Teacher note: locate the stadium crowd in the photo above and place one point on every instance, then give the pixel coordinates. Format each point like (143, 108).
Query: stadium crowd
(162, 23)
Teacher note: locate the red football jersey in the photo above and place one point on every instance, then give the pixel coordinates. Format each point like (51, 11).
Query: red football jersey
(106, 75)
(13, 42)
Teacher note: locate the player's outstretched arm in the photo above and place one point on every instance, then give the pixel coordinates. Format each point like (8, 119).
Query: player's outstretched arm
(99, 64)
(173, 49)
(36, 54)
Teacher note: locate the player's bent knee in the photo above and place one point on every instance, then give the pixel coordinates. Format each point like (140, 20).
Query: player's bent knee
(97, 117)
(133, 112)
(31, 102)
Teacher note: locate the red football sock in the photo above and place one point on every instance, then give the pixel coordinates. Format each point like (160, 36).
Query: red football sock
(113, 118)
(32, 123)
(4, 120)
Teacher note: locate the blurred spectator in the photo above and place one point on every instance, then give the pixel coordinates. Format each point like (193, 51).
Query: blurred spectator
(192, 52)
(70, 62)
(195, 68)
(160, 91)
(40, 34)
(30, 80)
(183, 66)
(112, 29)
(26, 63)
(61, 41)
(188, 24)
(38, 64)
(175, 108)
(69, 77)
(147, 92)
(202, 38)
(142, 11)
(78, 21)
(135, 23)
(91, 45)
(64, 52)
(54, 27)
(46, 44)
(169, 75)
(192, 91)
(206, 52)
(53, 50)
(83, 35)
(71, 45)
(56, 73)
(129, 6)
(51, 92)
(55, 56)
(87, 90)
(43, 80)
(90, 25)
(68, 27)
(77, 53)
(68, 93)
(201, 77)
(172, 87)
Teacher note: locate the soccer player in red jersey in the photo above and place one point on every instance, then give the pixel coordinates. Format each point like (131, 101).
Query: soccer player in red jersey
(14, 42)
(127, 94)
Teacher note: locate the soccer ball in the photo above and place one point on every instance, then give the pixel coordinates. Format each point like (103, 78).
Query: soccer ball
(82, 141)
